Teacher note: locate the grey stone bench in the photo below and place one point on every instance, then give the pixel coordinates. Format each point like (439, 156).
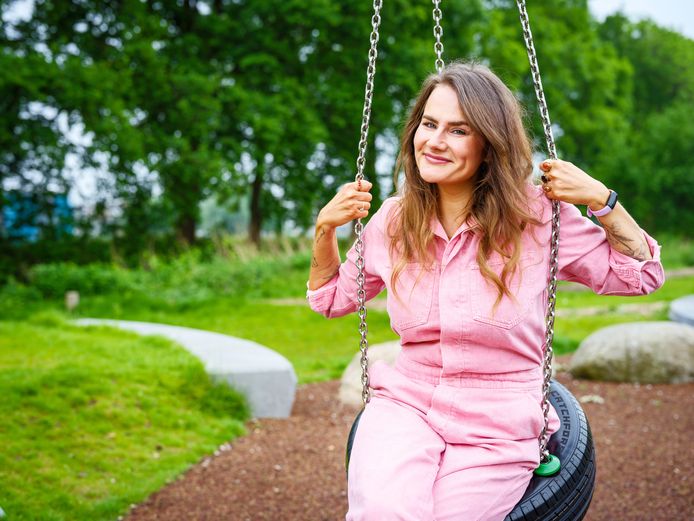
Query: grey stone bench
(265, 377)
(682, 310)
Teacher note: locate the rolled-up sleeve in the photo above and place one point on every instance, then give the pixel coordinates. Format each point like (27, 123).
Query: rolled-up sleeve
(321, 299)
(586, 257)
(338, 296)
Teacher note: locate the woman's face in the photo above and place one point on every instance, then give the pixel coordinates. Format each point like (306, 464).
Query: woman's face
(447, 151)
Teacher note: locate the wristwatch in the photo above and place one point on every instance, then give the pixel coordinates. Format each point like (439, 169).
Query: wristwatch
(609, 206)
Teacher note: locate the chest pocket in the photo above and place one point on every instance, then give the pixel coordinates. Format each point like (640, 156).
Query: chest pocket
(412, 305)
(526, 285)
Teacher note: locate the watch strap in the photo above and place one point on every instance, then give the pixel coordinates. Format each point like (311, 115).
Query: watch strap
(609, 206)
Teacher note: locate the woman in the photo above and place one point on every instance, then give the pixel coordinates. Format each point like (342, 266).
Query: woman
(451, 432)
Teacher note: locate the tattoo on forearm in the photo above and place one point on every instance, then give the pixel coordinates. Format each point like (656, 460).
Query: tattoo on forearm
(314, 261)
(314, 264)
(320, 235)
(634, 248)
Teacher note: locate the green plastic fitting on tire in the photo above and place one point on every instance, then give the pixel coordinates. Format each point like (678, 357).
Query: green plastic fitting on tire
(550, 468)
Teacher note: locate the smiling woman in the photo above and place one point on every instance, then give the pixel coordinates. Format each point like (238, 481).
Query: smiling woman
(466, 159)
(463, 250)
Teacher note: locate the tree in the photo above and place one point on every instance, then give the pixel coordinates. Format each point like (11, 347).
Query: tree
(32, 147)
(655, 165)
(263, 99)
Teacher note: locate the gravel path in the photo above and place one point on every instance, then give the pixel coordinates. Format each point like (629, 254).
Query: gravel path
(293, 469)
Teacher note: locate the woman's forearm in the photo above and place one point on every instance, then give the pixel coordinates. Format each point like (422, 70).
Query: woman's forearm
(325, 260)
(352, 201)
(623, 233)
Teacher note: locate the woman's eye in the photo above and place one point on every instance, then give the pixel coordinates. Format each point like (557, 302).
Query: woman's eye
(460, 131)
(428, 124)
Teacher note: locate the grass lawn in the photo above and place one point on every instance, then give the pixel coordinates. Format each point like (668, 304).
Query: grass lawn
(571, 330)
(96, 419)
(672, 289)
(320, 349)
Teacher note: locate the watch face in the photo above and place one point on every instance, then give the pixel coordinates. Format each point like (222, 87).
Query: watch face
(612, 200)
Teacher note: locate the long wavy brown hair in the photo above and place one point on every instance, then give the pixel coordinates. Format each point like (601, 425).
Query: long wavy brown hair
(499, 201)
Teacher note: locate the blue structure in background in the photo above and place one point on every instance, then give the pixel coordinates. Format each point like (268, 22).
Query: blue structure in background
(23, 217)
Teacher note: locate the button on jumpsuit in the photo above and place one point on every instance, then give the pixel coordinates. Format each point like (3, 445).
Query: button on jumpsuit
(451, 432)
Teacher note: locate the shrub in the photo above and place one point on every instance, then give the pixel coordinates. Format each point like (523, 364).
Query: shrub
(53, 280)
(185, 281)
(17, 300)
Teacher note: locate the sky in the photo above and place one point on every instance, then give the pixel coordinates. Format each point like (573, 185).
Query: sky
(673, 14)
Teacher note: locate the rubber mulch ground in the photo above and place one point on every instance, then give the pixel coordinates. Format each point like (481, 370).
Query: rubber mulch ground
(293, 469)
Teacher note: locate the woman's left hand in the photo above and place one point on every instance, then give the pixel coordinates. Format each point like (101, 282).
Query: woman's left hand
(566, 182)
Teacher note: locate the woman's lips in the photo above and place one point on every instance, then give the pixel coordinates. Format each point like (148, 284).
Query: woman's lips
(438, 160)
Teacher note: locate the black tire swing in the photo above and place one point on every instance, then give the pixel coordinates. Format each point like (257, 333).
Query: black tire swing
(560, 492)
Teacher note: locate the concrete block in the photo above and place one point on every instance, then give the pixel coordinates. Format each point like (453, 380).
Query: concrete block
(682, 310)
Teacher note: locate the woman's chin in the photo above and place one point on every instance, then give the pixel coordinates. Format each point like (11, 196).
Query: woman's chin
(446, 181)
(432, 176)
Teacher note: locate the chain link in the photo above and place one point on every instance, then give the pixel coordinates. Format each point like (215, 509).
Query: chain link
(554, 248)
(358, 228)
(438, 33)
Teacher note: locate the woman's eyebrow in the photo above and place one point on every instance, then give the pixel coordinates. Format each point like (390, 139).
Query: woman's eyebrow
(450, 123)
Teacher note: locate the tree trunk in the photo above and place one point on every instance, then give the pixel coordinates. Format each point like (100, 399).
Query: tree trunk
(186, 229)
(256, 211)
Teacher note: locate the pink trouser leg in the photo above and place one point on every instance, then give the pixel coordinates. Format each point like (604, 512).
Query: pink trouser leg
(469, 488)
(393, 465)
(427, 452)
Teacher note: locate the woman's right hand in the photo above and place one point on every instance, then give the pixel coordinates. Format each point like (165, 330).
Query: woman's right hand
(348, 204)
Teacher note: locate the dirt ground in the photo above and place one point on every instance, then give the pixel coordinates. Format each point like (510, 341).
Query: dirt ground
(293, 469)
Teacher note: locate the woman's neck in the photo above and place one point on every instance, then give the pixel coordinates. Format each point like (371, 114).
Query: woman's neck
(453, 208)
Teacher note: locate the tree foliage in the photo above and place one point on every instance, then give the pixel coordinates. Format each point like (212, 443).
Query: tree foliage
(262, 100)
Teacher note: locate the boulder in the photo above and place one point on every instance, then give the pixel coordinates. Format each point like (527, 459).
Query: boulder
(682, 310)
(639, 352)
(350, 384)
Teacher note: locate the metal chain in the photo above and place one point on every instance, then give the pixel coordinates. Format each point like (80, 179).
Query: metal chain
(361, 293)
(438, 32)
(554, 249)
(537, 81)
(358, 228)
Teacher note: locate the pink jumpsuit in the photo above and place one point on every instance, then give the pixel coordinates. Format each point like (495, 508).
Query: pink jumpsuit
(451, 432)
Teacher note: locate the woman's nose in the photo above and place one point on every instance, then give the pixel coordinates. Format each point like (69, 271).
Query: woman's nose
(437, 139)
